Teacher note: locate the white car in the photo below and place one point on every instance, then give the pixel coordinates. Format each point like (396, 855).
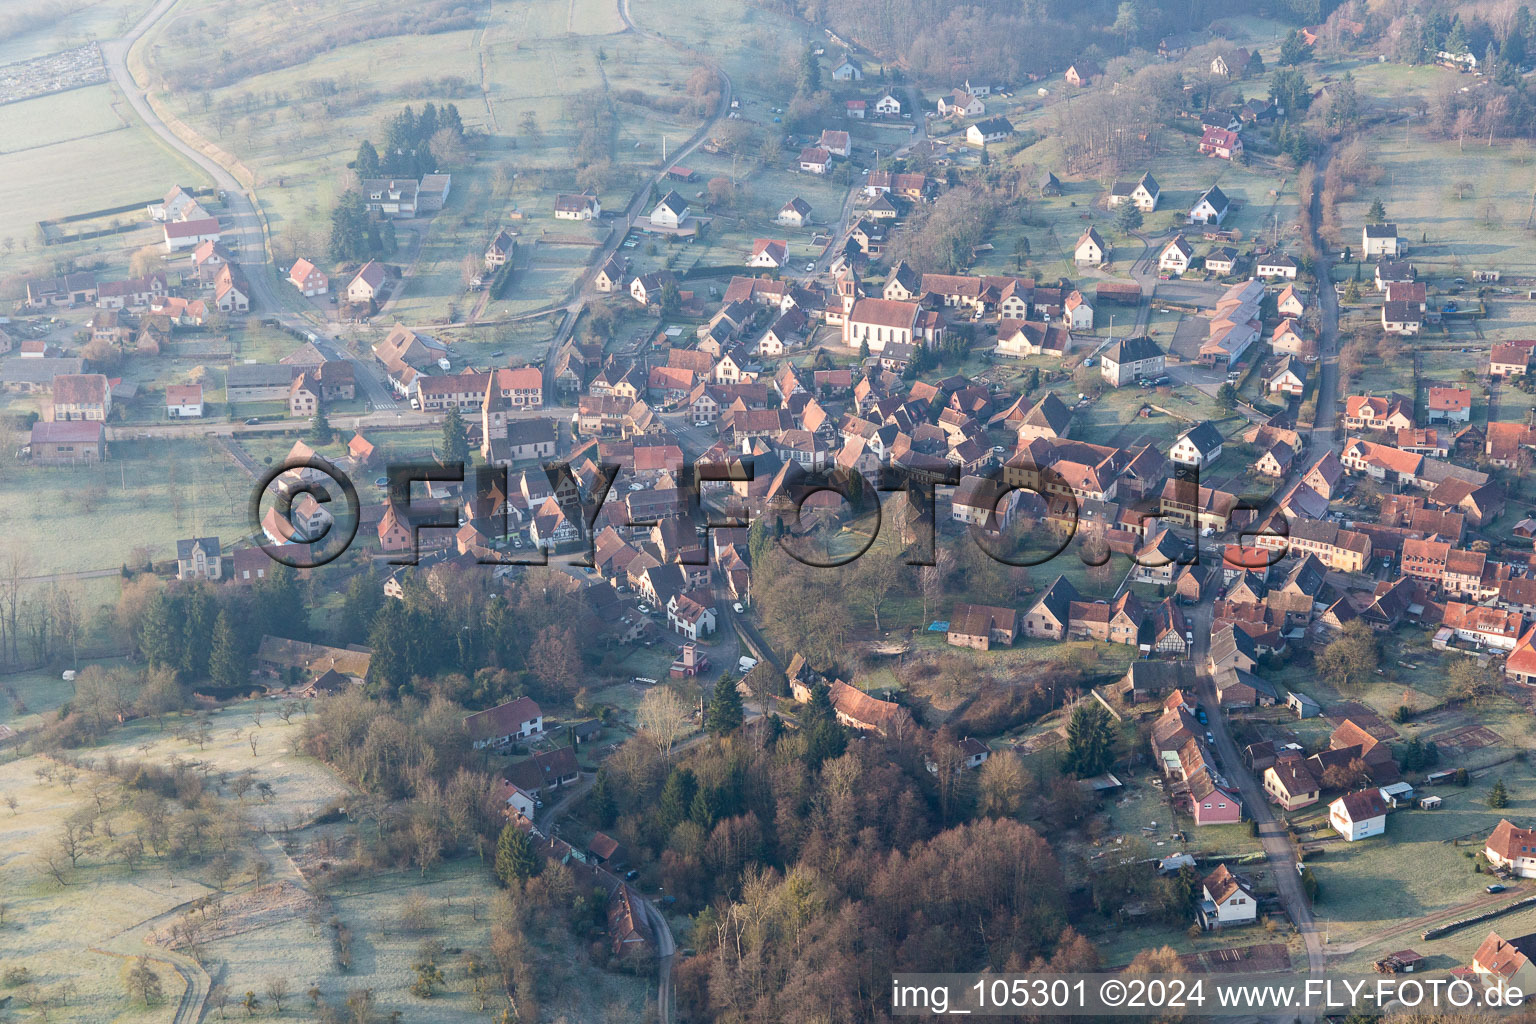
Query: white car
(810, 268)
(737, 608)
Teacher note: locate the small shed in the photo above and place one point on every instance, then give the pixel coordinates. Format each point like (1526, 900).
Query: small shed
(1429, 803)
(1171, 864)
(1399, 794)
(1105, 783)
(1404, 961)
(1304, 706)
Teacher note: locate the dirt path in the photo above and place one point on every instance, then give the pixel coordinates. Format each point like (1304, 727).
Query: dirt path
(133, 942)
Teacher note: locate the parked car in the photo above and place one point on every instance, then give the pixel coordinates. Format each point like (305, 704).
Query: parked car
(1495, 887)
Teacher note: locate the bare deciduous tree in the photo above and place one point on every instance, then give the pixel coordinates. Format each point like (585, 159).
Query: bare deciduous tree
(663, 718)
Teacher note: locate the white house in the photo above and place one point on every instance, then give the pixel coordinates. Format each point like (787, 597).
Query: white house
(835, 142)
(1401, 317)
(815, 159)
(183, 401)
(178, 204)
(1277, 265)
(768, 253)
(689, 615)
(794, 213)
(1131, 359)
(189, 234)
(1079, 314)
(848, 71)
(1288, 378)
(520, 800)
(1290, 302)
(882, 322)
(1379, 240)
(1358, 815)
(670, 212)
(1175, 256)
(1090, 249)
(990, 130)
(577, 206)
(1199, 446)
(1142, 193)
(1211, 208)
(1512, 848)
(888, 106)
(961, 104)
(515, 720)
(1226, 900)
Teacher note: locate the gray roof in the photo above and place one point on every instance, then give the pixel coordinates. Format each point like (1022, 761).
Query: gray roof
(1438, 470)
(210, 546)
(1133, 350)
(39, 371)
(1204, 436)
(1229, 642)
(252, 375)
(1216, 197)
(1228, 676)
(1160, 676)
(530, 431)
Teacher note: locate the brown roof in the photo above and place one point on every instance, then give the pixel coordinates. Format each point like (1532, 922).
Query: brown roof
(1221, 884)
(79, 389)
(372, 274)
(1450, 399)
(981, 619)
(1510, 841)
(1351, 735)
(1363, 804)
(1294, 777)
(604, 845)
(67, 432)
(1504, 958)
(861, 707)
(502, 720)
(884, 313)
(535, 773)
(313, 658)
(183, 394)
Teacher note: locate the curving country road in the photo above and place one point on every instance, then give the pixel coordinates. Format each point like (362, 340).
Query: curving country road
(241, 224)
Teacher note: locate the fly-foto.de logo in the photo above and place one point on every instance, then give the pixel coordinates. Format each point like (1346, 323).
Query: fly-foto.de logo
(308, 513)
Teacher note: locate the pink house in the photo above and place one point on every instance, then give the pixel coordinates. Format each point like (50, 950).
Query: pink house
(1212, 805)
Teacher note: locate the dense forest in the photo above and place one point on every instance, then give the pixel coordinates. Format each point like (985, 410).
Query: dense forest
(816, 864)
